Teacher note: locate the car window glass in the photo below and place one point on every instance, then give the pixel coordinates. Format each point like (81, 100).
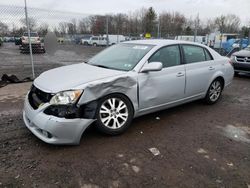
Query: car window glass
(169, 56)
(208, 56)
(193, 54)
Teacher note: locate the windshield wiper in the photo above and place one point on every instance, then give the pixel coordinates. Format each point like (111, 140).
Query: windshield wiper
(102, 66)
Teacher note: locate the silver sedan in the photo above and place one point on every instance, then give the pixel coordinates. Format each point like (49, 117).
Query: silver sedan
(120, 83)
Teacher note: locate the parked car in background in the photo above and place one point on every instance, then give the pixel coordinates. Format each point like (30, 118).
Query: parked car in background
(85, 40)
(190, 38)
(241, 61)
(1, 41)
(115, 39)
(8, 39)
(36, 44)
(18, 40)
(97, 41)
(124, 81)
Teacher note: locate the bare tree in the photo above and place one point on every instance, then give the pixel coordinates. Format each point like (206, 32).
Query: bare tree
(4, 29)
(228, 24)
(32, 23)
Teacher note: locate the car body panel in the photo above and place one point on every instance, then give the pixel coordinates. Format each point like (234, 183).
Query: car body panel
(156, 88)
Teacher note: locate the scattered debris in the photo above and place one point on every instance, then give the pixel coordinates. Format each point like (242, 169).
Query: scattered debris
(132, 160)
(17, 176)
(202, 151)
(206, 156)
(157, 118)
(154, 151)
(8, 79)
(125, 165)
(141, 132)
(218, 181)
(230, 164)
(120, 155)
(136, 169)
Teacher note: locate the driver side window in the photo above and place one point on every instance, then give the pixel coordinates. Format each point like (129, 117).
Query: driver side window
(169, 56)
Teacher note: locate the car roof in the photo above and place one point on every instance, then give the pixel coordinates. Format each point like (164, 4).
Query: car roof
(161, 42)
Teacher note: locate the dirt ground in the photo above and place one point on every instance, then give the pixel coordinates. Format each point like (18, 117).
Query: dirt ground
(199, 145)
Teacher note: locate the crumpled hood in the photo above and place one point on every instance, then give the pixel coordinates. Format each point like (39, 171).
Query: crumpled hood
(69, 77)
(244, 53)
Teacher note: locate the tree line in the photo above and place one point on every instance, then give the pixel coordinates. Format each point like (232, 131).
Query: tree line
(141, 21)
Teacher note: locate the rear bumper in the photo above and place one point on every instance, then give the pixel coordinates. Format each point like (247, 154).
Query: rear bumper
(37, 46)
(241, 67)
(51, 129)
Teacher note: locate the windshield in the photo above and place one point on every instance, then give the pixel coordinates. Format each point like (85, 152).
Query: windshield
(31, 34)
(121, 56)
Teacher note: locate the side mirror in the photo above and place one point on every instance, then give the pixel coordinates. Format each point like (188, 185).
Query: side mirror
(152, 66)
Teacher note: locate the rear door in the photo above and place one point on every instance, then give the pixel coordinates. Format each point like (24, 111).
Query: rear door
(165, 86)
(200, 68)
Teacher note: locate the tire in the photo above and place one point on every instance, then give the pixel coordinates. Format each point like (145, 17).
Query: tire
(214, 91)
(110, 120)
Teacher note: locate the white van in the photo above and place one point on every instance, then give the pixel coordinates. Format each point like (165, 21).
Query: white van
(115, 39)
(97, 41)
(190, 38)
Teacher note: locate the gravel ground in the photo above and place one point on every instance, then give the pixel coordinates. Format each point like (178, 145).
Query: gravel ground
(13, 62)
(199, 146)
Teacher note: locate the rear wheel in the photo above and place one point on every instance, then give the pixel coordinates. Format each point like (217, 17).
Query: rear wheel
(214, 92)
(114, 114)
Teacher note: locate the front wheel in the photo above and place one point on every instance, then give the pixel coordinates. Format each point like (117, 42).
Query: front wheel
(114, 114)
(214, 92)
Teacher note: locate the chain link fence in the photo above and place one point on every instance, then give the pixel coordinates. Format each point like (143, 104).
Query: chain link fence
(35, 40)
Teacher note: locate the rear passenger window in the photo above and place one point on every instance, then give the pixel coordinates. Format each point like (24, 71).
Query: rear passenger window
(193, 54)
(169, 56)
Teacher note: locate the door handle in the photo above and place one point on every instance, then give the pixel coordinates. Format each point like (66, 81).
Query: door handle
(180, 74)
(211, 68)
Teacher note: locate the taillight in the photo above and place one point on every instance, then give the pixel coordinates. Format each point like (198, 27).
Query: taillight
(231, 60)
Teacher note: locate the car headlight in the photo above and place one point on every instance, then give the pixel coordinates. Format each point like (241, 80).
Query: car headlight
(66, 97)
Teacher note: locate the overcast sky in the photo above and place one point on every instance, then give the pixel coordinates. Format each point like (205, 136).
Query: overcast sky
(205, 8)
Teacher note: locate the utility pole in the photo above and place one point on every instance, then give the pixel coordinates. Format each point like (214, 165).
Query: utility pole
(159, 25)
(107, 29)
(30, 46)
(221, 36)
(196, 25)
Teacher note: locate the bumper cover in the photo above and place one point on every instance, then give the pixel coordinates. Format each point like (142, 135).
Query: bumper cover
(241, 67)
(51, 129)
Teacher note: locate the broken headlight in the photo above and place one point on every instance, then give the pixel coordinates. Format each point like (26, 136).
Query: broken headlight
(66, 97)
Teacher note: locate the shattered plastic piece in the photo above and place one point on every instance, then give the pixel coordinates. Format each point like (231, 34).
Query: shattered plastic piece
(17, 176)
(154, 151)
(136, 169)
(202, 151)
(230, 164)
(120, 155)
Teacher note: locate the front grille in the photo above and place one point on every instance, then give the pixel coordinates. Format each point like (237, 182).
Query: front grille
(37, 97)
(243, 59)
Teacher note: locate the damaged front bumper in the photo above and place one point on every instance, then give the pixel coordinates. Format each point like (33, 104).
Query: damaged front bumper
(51, 129)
